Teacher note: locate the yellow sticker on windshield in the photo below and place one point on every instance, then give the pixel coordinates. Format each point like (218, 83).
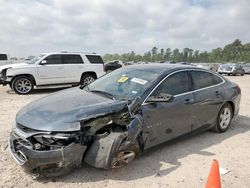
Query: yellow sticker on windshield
(122, 79)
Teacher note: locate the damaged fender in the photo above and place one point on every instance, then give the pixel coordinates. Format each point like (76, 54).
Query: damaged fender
(134, 128)
(101, 151)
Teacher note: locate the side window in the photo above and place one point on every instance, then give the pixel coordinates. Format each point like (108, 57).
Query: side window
(54, 59)
(216, 79)
(204, 79)
(175, 84)
(72, 59)
(95, 59)
(3, 57)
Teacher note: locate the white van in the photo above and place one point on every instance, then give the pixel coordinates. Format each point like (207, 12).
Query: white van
(4, 58)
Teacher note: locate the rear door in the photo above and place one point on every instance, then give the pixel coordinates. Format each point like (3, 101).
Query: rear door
(74, 66)
(208, 97)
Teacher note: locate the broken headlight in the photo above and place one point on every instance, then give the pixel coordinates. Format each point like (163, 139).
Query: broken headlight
(59, 139)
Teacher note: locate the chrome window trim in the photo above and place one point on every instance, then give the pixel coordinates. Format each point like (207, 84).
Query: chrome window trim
(223, 81)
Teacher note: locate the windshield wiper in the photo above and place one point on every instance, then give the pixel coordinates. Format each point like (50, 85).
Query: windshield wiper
(109, 95)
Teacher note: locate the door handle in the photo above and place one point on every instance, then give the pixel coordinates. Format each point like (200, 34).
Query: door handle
(60, 68)
(217, 93)
(188, 101)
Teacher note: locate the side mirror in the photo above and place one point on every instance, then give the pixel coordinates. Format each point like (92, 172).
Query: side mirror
(43, 62)
(135, 105)
(163, 97)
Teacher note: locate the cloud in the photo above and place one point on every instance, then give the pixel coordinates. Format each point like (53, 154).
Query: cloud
(115, 26)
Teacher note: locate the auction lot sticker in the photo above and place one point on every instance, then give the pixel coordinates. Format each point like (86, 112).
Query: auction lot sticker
(139, 81)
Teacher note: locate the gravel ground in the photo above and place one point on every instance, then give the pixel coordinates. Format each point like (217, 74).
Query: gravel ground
(182, 163)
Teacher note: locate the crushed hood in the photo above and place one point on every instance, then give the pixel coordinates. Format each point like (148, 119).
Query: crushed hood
(63, 110)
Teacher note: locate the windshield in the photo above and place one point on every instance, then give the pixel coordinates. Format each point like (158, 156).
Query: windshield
(125, 83)
(35, 59)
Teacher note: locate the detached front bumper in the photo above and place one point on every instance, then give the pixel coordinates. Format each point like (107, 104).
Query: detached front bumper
(46, 163)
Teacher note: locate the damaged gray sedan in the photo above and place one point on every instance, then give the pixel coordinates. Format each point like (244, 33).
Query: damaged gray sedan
(111, 121)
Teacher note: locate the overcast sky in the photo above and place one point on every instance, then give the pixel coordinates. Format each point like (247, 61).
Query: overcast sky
(30, 27)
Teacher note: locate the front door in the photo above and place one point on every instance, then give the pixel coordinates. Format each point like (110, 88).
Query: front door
(53, 71)
(166, 120)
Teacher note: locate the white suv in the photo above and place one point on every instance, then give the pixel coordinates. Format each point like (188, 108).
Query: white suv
(4, 58)
(52, 69)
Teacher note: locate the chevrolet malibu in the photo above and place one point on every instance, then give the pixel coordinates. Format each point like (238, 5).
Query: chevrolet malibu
(120, 115)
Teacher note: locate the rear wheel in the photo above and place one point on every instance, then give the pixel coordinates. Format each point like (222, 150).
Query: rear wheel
(108, 71)
(22, 85)
(87, 79)
(224, 118)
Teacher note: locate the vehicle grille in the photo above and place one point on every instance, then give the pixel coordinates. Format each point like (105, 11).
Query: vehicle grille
(21, 141)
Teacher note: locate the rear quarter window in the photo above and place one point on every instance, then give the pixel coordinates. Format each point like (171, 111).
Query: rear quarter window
(202, 79)
(216, 79)
(95, 59)
(3, 57)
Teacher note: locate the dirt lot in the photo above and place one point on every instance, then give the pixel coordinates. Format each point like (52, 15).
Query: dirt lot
(183, 163)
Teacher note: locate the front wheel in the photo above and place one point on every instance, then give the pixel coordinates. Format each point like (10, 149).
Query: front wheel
(22, 85)
(224, 118)
(124, 155)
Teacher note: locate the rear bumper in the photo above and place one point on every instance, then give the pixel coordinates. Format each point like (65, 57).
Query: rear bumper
(225, 72)
(46, 163)
(237, 105)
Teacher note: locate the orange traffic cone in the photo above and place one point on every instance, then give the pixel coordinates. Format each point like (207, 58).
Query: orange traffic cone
(213, 180)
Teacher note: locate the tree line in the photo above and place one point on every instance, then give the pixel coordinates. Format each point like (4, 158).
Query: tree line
(233, 52)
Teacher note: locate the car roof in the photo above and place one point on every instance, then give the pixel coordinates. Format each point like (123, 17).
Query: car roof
(65, 52)
(163, 67)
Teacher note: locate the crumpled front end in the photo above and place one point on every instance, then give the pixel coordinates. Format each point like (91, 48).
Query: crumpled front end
(57, 147)
(45, 153)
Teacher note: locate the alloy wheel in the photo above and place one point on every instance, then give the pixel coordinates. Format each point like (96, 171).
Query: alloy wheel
(23, 85)
(122, 159)
(225, 118)
(88, 80)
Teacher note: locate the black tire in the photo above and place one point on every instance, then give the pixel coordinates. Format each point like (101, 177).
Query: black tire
(117, 157)
(22, 85)
(108, 71)
(221, 127)
(10, 84)
(87, 79)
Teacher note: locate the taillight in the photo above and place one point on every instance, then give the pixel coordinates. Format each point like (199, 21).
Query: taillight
(238, 89)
